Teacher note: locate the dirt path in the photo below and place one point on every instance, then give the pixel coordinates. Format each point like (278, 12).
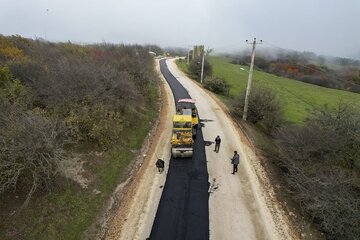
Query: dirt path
(241, 206)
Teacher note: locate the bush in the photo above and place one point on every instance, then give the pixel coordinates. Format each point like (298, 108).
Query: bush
(96, 124)
(217, 85)
(30, 144)
(329, 195)
(342, 124)
(319, 161)
(195, 68)
(263, 108)
(31, 149)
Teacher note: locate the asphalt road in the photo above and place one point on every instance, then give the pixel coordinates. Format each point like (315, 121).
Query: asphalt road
(183, 211)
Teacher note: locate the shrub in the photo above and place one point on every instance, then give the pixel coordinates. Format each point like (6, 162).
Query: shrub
(343, 124)
(30, 151)
(30, 144)
(319, 160)
(217, 85)
(195, 68)
(263, 108)
(96, 93)
(96, 124)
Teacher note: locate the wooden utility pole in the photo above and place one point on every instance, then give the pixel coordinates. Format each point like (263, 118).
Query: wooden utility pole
(203, 62)
(202, 66)
(188, 57)
(249, 79)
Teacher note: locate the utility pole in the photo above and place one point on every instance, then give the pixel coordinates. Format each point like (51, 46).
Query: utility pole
(203, 62)
(188, 56)
(202, 66)
(249, 79)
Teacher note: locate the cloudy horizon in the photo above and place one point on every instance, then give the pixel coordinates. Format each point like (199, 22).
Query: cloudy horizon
(323, 27)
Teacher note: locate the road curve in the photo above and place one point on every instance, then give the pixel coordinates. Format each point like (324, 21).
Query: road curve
(183, 211)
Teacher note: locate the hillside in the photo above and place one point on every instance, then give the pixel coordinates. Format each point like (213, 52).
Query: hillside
(325, 71)
(298, 98)
(72, 119)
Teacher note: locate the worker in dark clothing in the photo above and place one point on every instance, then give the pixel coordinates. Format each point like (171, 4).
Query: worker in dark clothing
(193, 112)
(217, 144)
(160, 164)
(235, 160)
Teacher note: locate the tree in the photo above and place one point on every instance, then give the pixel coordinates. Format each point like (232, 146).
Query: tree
(195, 67)
(264, 108)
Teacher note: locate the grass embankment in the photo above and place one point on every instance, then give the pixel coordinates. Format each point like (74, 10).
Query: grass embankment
(68, 213)
(298, 98)
(71, 119)
(182, 65)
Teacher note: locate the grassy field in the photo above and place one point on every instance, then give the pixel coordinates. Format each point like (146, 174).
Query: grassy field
(182, 65)
(298, 98)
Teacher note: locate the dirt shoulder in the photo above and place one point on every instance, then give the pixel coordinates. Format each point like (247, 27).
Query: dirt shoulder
(133, 216)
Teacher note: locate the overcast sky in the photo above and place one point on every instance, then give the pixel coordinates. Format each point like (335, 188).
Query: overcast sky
(330, 27)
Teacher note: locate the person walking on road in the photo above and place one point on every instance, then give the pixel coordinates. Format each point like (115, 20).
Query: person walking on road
(217, 144)
(235, 160)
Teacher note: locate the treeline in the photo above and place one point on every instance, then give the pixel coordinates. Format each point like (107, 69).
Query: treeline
(307, 67)
(57, 95)
(319, 160)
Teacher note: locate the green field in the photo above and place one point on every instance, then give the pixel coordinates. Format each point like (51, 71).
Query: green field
(298, 98)
(182, 65)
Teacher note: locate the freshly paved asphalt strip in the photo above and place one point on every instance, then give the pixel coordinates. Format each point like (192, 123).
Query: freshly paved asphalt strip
(183, 211)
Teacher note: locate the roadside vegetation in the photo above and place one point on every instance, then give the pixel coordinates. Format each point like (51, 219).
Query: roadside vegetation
(310, 134)
(318, 162)
(72, 117)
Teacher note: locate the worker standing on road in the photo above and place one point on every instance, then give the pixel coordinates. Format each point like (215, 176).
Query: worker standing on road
(217, 144)
(160, 164)
(235, 160)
